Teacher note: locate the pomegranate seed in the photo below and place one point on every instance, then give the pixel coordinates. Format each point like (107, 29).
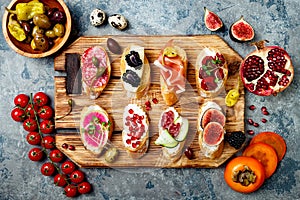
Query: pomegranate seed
(263, 109)
(148, 108)
(263, 120)
(255, 124)
(188, 153)
(265, 113)
(250, 121)
(64, 145)
(250, 132)
(147, 103)
(252, 107)
(72, 147)
(130, 111)
(128, 141)
(155, 100)
(134, 145)
(138, 143)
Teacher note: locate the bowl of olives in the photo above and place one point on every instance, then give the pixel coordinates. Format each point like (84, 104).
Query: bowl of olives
(36, 28)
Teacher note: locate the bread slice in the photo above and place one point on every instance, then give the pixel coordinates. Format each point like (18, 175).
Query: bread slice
(96, 128)
(211, 145)
(172, 147)
(96, 71)
(170, 89)
(135, 134)
(212, 79)
(143, 72)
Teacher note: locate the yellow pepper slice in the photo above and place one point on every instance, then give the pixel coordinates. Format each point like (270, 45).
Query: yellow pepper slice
(15, 29)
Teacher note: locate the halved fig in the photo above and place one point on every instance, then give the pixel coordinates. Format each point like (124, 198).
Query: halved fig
(212, 21)
(213, 133)
(241, 31)
(213, 115)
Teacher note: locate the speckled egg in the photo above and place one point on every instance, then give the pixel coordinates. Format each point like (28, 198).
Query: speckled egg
(117, 21)
(97, 17)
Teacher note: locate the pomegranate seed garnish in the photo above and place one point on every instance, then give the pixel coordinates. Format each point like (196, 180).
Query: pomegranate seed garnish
(134, 145)
(250, 132)
(263, 109)
(72, 147)
(64, 145)
(263, 120)
(265, 113)
(252, 107)
(255, 124)
(155, 100)
(148, 108)
(128, 141)
(130, 111)
(250, 121)
(147, 103)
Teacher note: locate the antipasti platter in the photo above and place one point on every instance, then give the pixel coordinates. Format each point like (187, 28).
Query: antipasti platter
(68, 88)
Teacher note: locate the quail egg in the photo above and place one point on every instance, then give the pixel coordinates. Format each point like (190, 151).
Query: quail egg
(117, 21)
(97, 17)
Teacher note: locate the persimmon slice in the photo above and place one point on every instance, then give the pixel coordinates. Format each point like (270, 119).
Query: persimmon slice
(273, 139)
(264, 153)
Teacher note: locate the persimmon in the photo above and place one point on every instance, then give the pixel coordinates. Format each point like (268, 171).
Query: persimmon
(244, 174)
(265, 154)
(273, 139)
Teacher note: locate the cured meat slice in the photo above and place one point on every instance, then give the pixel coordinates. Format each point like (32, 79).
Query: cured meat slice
(95, 68)
(213, 134)
(213, 115)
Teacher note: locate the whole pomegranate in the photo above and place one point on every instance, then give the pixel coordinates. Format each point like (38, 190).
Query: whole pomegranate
(267, 70)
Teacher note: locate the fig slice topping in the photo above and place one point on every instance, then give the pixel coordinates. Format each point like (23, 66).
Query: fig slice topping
(212, 21)
(241, 31)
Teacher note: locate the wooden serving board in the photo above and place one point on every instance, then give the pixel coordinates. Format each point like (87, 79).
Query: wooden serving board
(114, 99)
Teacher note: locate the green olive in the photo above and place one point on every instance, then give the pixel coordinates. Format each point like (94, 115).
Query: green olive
(41, 42)
(50, 34)
(36, 30)
(59, 30)
(42, 21)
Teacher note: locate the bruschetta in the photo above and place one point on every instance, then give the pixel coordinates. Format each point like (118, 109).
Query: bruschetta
(172, 63)
(135, 71)
(173, 130)
(211, 131)
(135, 134)
(96, 70)
(96, 128)
(211, 72)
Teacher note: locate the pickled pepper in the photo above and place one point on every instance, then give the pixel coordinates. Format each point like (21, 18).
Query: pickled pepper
(26, 11)
(15, 29)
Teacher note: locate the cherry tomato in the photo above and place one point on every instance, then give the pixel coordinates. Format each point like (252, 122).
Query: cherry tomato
(56, 155)
(30, 125)
(18, 114)
(41, 99)
(264, 153)
(21, 100)
(36, 154)
(60, 180)
(70, 190)
(33, 138)
(243, 166)
(68, 167)
(84, 187)
(47, 169)
(47, 126)
(31, 110)
(48, 142)
(45, 112)
(77, 176)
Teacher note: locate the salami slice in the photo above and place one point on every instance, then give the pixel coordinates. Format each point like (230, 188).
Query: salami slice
(213, 134)
(95, 67)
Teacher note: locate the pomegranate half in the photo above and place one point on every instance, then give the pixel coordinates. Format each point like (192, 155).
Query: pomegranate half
(267, 70)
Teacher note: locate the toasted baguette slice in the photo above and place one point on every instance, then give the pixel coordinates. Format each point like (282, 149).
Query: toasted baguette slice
(96, 71)
(172, 62)
(211, 77)
(95, 128)
(210, 128)
(136, 141)
(141, 72)
(172, 148)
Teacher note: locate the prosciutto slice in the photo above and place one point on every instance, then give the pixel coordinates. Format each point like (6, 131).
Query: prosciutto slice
(172, 70)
